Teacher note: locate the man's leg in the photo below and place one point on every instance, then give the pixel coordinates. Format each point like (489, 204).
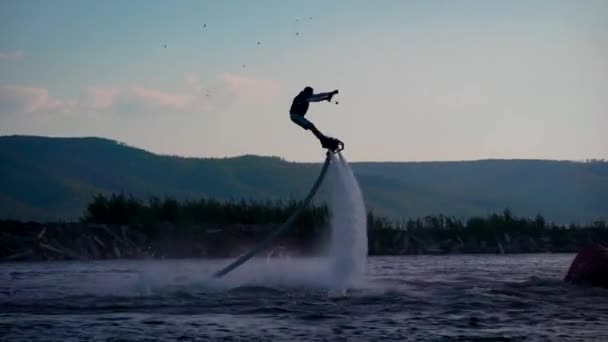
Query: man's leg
(329, 143)
(316, 132)
(307, 125)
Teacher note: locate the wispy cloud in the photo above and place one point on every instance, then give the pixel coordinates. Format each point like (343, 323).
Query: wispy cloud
(136, 99)
(249, 89)
(226, 90)
(97, 98)
(17, 100)
(11, 55)
(161, 100)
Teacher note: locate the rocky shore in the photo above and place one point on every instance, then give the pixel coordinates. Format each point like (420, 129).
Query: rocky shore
(32, 241)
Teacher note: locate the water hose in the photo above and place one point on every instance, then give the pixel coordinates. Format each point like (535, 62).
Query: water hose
(281, 229)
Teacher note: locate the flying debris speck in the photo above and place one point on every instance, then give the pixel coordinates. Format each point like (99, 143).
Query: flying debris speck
(309, 18)
(337, 102)
(297, 33)
(243, 65)
(259, 43)
(165, 46)
(204, 25)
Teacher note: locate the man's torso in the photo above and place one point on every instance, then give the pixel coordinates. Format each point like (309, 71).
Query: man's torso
(299, 106)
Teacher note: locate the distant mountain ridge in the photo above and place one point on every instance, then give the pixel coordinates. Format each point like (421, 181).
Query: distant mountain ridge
(44, 178)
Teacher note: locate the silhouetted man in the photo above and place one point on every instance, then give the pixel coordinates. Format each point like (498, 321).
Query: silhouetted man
(298, 110)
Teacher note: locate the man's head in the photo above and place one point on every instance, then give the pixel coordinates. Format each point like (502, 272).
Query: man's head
(308, 91)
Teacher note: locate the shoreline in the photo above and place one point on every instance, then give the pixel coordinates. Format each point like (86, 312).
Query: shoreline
(33, 241)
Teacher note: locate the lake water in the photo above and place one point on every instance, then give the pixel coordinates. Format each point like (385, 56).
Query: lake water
(417, 298)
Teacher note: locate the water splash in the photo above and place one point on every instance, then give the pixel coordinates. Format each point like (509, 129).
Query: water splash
(344, 267)
(341, 270)
(348, 251)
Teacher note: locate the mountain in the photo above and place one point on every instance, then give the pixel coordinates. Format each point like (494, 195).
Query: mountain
(44, 178)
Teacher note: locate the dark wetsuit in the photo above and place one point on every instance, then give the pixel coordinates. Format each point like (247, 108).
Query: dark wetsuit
(299, 107)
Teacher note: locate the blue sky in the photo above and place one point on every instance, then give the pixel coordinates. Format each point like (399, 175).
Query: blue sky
(418, 80)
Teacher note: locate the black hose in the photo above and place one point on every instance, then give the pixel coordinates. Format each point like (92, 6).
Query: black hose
(281, 229)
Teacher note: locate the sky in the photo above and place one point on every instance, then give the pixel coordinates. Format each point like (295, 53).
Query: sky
(418, 80)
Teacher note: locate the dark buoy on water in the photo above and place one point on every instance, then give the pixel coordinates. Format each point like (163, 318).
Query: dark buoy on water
(589, 267)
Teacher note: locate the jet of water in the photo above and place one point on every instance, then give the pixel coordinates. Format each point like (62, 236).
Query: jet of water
(348, 253)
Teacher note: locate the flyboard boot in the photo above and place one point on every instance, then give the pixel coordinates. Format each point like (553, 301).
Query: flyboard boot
(332, 144)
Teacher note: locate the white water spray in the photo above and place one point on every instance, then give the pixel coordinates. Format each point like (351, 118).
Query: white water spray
(348, 252)
(343, 269)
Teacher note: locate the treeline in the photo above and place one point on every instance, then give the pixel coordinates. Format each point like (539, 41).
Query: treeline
(120, 209)
(121, 226)
(504, 222)
(496, 233)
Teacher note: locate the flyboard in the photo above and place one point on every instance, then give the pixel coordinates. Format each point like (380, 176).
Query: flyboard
(332, 145)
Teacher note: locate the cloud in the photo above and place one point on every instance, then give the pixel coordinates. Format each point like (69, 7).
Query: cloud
(227, 90)
(160, 100)
(136, 100)
(99, 98)
(248, 89)
(11, 55)
(16, 100)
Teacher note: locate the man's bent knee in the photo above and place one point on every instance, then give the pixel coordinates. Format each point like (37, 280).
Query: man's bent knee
(302, 122)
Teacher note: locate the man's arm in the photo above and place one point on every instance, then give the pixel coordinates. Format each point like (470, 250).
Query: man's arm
(322, 96)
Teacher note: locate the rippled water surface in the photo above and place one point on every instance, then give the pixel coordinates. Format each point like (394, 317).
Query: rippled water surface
(417, 298)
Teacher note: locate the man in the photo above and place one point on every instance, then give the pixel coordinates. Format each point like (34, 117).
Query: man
(298, 110)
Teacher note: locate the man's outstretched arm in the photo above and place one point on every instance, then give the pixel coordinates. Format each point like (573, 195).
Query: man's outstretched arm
(322, 96)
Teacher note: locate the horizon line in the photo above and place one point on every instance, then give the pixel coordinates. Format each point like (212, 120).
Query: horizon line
(582, 161)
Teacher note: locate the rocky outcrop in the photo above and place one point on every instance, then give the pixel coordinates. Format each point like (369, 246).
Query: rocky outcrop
(32, 241)
(23, 241)
(65, 241)
(590, 267)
